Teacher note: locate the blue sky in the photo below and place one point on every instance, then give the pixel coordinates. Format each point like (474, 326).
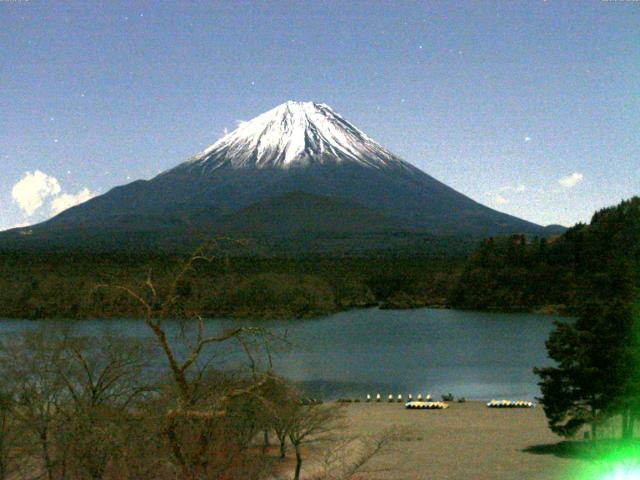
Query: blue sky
(530, 107)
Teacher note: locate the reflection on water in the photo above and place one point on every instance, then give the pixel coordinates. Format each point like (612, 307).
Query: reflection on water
(471, 354)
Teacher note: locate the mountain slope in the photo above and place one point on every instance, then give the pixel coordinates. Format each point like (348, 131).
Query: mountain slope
(295, 147)
(300, 213)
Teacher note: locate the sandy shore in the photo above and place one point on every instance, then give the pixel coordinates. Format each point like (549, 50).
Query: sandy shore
(467, 441)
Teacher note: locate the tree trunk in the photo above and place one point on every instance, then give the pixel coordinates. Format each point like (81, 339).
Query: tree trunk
(283, 447)
(266, 441)
(176, 448)
(594, 420)
(629, 428)
(298, 463)
(3, 467)
(626, 424)
(4, 460)
(44, 442)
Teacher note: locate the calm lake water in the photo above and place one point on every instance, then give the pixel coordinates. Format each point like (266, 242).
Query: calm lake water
(477, 355)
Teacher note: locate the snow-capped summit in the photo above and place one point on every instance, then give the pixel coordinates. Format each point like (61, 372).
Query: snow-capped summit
(295, 134)
(298, 169)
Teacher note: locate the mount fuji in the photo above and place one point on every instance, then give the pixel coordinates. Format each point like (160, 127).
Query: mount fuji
(298, 169)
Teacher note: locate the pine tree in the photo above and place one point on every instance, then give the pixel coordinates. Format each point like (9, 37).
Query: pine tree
(598, 356)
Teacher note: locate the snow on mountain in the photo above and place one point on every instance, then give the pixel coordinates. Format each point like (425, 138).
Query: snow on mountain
(295, 134)
(299, 167)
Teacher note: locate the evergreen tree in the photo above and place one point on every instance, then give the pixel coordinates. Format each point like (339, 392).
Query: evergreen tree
(597, 357)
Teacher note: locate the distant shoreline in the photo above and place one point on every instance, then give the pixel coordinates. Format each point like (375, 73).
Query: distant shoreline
(247, 315)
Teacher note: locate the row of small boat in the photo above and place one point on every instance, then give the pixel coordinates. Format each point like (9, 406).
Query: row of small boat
(399, 398)
(427, 402)
(416, 405)
(510, 404)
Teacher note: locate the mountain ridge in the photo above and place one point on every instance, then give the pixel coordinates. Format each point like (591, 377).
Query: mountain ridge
(296, 147)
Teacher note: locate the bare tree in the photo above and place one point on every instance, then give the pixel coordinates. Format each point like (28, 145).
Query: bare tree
(8, 432)
(70, 397)
(194, 422)
(108, 371)
(30, 360)
(310, 423)
(279, 401)
(103, 379)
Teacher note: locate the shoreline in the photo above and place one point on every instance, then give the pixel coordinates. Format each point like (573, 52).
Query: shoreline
(546, 310)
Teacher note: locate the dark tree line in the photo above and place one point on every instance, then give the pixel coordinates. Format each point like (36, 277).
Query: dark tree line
(60, 285)
(597, 371)
(518, 273)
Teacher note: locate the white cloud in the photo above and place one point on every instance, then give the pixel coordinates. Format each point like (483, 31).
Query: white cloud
(67, 200)
(501, 196)
(33, 189)
(572, 180)
(527, 139)
(498, 199)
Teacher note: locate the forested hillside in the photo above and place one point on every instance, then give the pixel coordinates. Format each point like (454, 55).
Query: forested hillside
(512, 273)
(596, 373)
(48, 285)
(517, 273)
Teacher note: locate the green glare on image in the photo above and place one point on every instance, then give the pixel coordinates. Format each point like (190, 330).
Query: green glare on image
(619, 462)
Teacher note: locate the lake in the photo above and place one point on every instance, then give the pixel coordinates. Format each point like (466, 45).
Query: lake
(477, 355)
